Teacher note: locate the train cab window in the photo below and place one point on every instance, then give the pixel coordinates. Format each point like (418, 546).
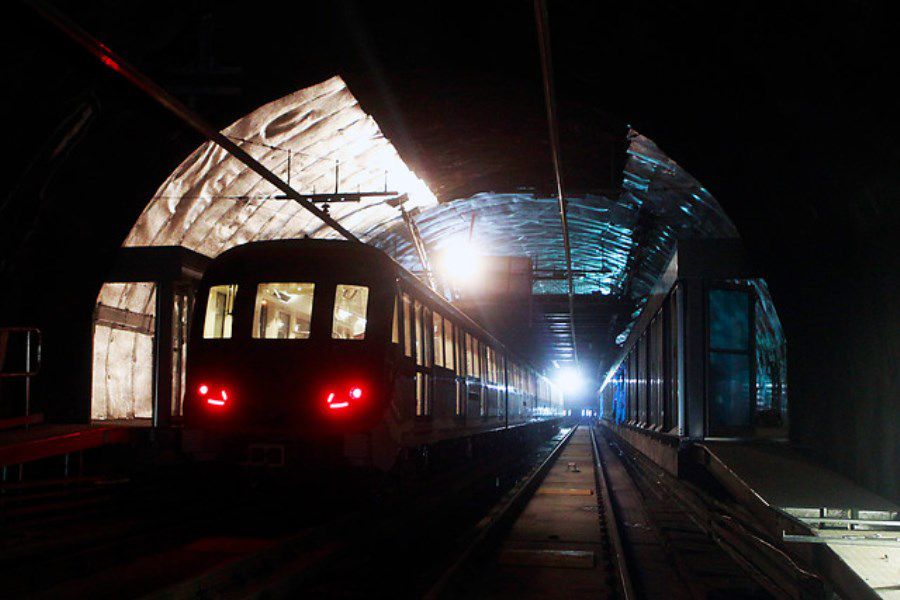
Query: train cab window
(350, 305)
(283, 311)
(219, 309)
(449, 346)
(437, 326)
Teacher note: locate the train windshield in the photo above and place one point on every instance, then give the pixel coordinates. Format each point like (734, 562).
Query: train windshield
(350, 304)
(283, 311)
(219, 309)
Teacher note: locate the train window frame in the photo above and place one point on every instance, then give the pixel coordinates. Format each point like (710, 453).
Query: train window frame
(418, 327)
(230, 291)
(449, 345)
(406, 301)
(395, 323)
(427, 332)
(437, 338)
(261, 311)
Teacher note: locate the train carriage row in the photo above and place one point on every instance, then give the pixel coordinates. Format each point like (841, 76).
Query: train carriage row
(313, 339)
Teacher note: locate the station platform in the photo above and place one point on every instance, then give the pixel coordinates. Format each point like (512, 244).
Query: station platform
(23, 445)
(811, 507)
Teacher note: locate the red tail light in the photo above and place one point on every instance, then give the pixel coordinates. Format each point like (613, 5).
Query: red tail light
(337, 402)
(332, 404)
(219, 399)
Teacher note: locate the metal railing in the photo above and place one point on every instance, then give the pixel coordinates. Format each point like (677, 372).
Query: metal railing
(32, 359)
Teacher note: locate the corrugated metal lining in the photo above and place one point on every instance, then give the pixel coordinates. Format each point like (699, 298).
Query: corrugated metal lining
(212, 201)
(619, 244)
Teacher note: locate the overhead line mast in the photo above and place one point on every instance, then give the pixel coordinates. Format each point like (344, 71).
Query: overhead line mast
(543, 32)
(179, 109)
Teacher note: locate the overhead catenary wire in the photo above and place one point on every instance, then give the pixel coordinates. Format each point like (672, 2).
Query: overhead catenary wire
(119, 65)
(543, 33)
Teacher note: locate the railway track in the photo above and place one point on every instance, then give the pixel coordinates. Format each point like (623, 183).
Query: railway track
(577, 514)
(197, 538)
(649, 545)
(555, 532)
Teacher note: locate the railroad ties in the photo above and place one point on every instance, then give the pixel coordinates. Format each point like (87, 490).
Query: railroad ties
(553, 539)
(558, 545)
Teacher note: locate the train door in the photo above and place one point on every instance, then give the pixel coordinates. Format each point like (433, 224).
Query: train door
(730, 361)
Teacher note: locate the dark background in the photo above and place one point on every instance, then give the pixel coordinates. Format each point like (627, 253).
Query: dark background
(787, 114)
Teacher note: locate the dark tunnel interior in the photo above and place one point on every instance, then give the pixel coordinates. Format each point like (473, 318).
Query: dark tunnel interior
(784, 114)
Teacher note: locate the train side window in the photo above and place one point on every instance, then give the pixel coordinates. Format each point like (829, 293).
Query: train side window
(437, 326)
(395, 323)
(427, 336)
(470, 356)
(495, 374)
(219, 309)
(407, 326)
(283, 310)
(476, 350)
(449, 346)
(350, 305)
(417, 333)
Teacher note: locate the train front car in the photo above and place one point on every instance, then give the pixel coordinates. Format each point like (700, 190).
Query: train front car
(289, 349)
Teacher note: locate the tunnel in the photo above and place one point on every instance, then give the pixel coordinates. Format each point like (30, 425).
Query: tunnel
(320, 138)
(664, 235)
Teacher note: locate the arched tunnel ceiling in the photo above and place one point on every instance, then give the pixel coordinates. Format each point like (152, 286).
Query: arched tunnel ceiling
(318, 139)
(620, 243)
(621, 238)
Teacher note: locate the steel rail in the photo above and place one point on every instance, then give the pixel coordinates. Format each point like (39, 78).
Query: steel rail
(543, 33)
(499, 515)
(612, 523)
(118, 64)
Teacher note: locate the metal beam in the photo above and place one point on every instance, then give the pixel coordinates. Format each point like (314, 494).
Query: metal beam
(543, 32)
(418, 243)
(176, 107)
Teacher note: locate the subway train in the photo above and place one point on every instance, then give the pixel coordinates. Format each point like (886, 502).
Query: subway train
(323, 350)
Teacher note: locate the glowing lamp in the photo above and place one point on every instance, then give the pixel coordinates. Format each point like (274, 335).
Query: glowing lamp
(215, 400)
(353, 393)
(460, 262)
(570, 380)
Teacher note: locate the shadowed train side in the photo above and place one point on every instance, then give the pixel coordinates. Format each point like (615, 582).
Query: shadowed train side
(312, 349)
